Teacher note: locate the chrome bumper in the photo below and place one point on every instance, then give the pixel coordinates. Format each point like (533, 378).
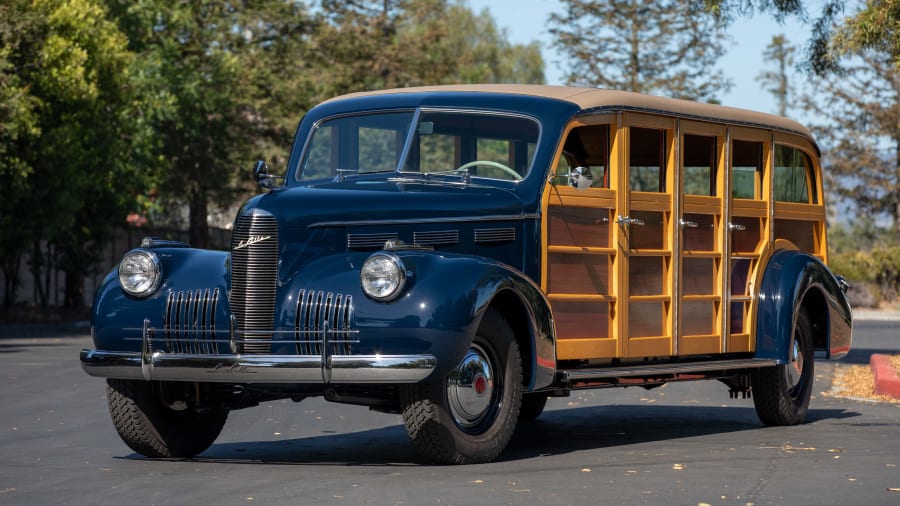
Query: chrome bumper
(258, 368)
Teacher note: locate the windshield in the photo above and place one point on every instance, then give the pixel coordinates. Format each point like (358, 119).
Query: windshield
(477, 144)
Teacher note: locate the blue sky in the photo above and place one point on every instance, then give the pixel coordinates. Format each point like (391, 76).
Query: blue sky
(524, 21)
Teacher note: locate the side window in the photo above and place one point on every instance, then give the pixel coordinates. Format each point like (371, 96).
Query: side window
(699, 165)
(793, 176)
(647, 155)
(746, 169)
(586, 146)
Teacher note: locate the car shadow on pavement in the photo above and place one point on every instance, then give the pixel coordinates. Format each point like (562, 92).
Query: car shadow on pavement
(862, 355)
(556, 432)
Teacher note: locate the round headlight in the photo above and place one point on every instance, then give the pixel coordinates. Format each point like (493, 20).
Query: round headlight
(382, 276)
(139, 272)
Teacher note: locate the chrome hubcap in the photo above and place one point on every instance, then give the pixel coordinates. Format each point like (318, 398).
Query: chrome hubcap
(795, 368)
(470, 388)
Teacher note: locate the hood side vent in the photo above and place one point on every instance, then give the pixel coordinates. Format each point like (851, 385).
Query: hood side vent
(445, 237)
(494, 235)
(365, 241)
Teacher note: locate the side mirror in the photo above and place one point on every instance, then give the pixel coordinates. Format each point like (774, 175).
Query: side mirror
(262, 177)
(581, 178)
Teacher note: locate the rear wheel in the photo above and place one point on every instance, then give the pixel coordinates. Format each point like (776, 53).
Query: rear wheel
(469, 416)
(152, 423)
(781, 393)
(532, 406)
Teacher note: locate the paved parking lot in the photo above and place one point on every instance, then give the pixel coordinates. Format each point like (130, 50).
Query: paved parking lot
(685, 443)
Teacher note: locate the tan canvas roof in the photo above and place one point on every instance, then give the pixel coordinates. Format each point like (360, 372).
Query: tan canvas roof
(589, 98)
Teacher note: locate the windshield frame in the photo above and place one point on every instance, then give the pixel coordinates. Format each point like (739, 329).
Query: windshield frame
(410, 135)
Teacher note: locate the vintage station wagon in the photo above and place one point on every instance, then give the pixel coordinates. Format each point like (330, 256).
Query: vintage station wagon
(460, 254)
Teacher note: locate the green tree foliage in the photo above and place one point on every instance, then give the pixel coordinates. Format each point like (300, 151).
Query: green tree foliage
(777, 81)
(218, 92)
(65, 159)
(668, 47)
(367, 45)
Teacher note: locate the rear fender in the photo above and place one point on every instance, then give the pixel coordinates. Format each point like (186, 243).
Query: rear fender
(793, 281)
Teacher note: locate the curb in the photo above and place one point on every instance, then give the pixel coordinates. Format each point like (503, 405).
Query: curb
(886, 380)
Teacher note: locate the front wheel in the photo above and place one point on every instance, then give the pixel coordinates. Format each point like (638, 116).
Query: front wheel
(781, 393)
(154, 426)
(469, 416)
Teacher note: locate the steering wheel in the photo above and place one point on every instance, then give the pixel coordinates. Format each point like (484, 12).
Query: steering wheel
(488, 163)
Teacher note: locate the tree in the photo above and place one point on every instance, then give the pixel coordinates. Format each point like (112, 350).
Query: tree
(875, 27)
(860, 129)
(820, 58)
(777, 82)
(218, 92)
(401, 43)
(71, 182)
(668, 47)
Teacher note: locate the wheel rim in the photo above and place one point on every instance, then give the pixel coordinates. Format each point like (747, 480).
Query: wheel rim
(472, 389)
(795, 369)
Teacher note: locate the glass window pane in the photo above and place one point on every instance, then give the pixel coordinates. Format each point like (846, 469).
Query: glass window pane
(746, 167)
(647, 155)
(792, 167)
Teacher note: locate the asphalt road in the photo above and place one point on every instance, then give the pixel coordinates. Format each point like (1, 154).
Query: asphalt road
(685, 443)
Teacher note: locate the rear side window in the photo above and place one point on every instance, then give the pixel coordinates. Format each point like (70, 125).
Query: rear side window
(794, 178)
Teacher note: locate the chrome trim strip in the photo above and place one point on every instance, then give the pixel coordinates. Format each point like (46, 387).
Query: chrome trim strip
(406, 221)
(160, 366)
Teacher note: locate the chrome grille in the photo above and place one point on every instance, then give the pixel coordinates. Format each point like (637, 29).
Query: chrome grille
(323, 319)
(190, 322)
(254, 275)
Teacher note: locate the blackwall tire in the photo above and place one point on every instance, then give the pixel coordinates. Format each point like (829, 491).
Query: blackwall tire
(469, 416)
(150, 427)
(532, 406)
(781, 393)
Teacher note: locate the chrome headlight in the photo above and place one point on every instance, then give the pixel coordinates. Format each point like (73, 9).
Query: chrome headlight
(139, 272)
(382, 276)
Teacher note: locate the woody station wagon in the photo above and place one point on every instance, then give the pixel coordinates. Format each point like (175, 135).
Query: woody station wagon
(460, 254)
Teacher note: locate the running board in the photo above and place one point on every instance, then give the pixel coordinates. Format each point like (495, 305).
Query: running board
(657, 370)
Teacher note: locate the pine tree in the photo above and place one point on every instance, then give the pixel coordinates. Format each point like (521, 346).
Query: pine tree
(859, 129)
(777, 82)
(667, 47)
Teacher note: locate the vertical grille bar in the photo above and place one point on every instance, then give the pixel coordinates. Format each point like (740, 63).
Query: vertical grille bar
(254, 275)
(313, 310)
(189, 322)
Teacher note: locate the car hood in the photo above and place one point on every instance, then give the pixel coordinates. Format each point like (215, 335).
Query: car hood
(371, 202)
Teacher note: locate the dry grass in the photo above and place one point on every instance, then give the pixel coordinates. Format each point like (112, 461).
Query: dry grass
(858, 381)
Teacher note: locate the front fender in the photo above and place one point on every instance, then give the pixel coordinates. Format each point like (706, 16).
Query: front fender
(792, 280)
(117, 318)
(439, 309)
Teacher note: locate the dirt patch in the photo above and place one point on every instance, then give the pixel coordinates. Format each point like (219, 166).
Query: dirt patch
(858, 381)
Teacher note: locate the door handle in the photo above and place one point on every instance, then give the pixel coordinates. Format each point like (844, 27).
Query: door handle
(625, 220)
(736, 227)
(687, 224)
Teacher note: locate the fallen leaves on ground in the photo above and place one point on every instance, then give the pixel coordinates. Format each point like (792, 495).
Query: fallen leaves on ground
(858, 381)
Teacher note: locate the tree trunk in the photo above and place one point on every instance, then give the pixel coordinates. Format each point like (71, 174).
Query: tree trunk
(74, 289)
(199, 228)
(37, 264)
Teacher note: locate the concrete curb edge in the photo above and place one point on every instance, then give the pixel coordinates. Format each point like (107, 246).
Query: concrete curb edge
(886, 380)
